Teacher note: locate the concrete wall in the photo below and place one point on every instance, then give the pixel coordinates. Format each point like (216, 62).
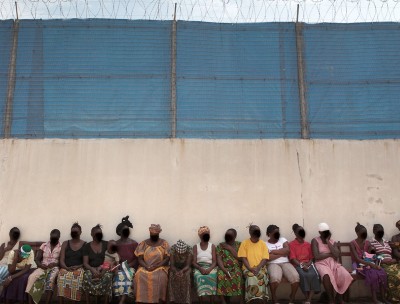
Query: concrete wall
(182, 184)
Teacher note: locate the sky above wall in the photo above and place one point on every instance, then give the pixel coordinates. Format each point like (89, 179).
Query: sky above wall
(225, 11)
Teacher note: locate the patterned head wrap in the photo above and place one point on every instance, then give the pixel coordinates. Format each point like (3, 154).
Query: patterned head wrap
(181, 247)
(25, 251)
(203, 229)
(155, 228)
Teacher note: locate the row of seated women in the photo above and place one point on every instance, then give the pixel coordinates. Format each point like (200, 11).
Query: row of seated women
(151, 270)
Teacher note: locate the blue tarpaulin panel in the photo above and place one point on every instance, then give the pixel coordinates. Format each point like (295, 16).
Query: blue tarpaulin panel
(93, 78)
(6, 28)
(353, 80)
(237, 81)
(111, 78)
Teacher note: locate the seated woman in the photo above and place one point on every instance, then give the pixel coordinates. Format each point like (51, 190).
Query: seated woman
(302, 258)
(5, 249)
(70, 276)
(254, 254)
(230, 276)
(334, 276)
(279, 265)
(44, 277)
(204, 264)
(151, 279)
(95, 281)
(395, 243)
(375, 276)
(20, 265)
(123, 281)
(393, 291)
(179, 273)
(388, 263)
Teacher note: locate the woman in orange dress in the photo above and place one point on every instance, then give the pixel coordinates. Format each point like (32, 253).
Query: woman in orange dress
(151, 279)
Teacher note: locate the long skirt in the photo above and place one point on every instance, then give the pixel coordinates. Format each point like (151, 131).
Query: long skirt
(338, 275)
(179, 287)
(374, 278)
(69, 284)
(15, 291)
(99, 286)
(393, 272)
(230, 285)
(256, 285)
(151, 286)
(123, 283)
(309, 280)
(206, 284)
(40, 281)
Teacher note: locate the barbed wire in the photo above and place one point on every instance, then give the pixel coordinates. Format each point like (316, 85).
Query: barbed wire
(230, 11)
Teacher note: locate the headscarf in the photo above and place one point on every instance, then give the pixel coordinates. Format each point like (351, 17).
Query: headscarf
(25, 251)
(181, 247)
(323, 227)
(155, 228)
(124, 222)
(203, 229)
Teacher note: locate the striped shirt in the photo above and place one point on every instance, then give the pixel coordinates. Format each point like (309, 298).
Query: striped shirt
(385, 250)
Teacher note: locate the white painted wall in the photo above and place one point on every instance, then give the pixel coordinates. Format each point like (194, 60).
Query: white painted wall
(182, 184)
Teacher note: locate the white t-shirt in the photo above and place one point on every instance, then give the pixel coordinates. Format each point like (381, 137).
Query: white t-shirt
(278, 245)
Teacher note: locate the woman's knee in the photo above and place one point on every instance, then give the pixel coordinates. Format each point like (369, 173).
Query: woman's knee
(326, 280)
(275, 273)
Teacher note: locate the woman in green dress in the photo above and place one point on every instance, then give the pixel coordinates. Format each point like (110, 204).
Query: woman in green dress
(204, 264)
(230, 276)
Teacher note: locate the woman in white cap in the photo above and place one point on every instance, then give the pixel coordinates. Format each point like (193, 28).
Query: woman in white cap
(334, 276)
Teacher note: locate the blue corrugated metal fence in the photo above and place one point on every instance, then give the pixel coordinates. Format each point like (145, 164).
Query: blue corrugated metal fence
(112, 79)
